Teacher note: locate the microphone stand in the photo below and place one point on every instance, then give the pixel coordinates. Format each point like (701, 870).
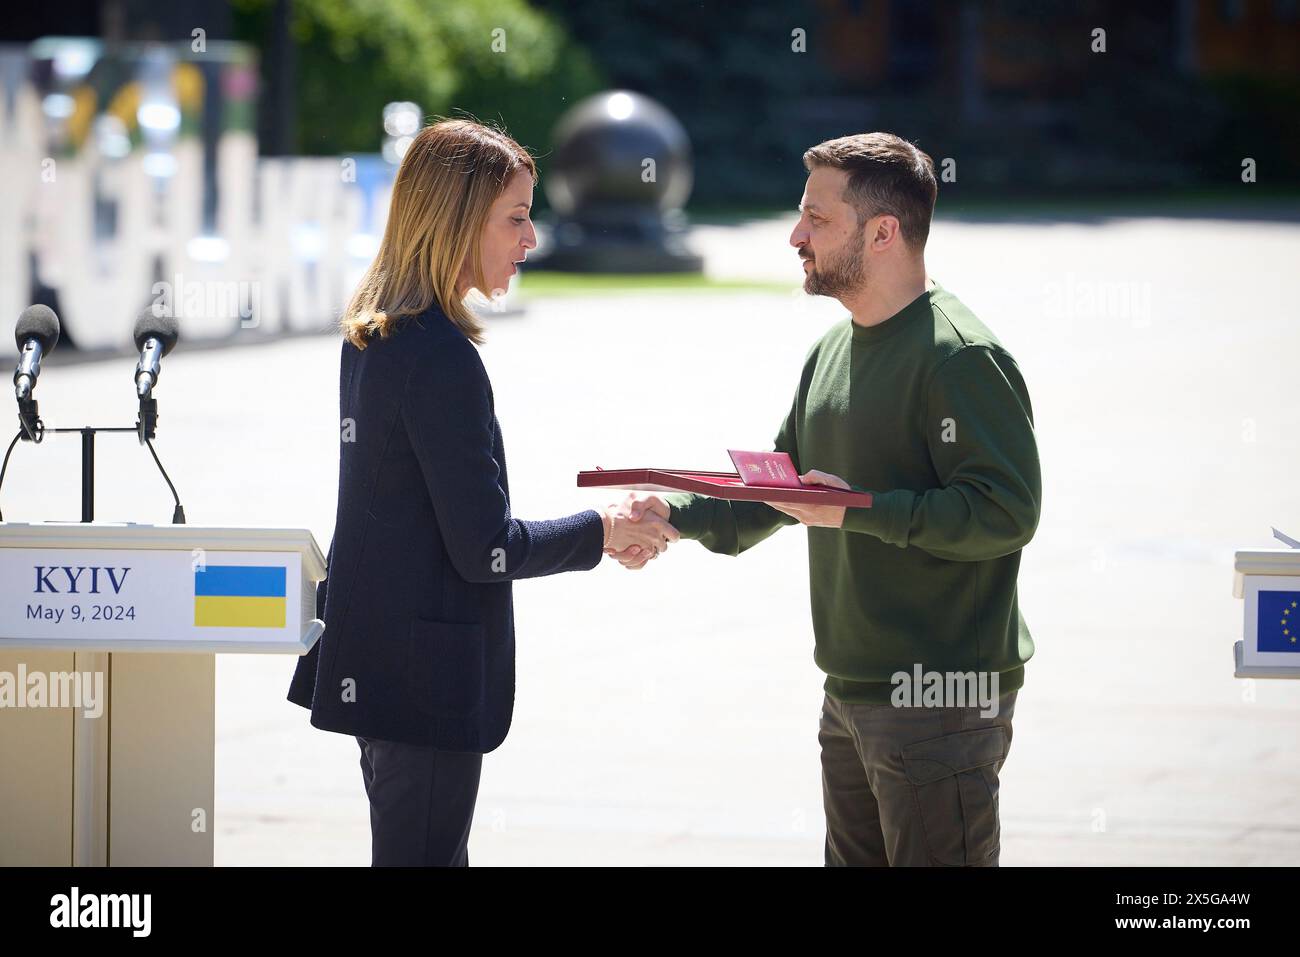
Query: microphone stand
(34, 430)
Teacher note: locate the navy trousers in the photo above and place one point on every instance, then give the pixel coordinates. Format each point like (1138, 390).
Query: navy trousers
(421, 803)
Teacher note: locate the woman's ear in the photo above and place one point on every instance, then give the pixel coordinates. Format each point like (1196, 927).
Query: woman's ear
(464, 279)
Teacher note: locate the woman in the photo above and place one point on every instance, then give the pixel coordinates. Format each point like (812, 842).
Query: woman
(417, 659)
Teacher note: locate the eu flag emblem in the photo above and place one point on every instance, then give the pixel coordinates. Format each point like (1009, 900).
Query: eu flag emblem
(239, 596)
(1279, 621)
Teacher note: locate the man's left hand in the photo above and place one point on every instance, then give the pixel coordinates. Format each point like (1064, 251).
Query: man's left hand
(822, 516)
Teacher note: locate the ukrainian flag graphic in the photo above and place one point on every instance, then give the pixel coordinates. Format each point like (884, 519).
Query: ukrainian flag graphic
(239, 596)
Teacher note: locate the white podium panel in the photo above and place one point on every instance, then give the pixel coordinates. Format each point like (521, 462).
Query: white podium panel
(107, 678)
(1268, 582)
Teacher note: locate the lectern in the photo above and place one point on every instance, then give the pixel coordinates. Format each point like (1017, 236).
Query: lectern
(108, 634)
(1268, 580)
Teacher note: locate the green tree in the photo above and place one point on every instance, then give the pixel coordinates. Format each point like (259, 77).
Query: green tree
(499, 60)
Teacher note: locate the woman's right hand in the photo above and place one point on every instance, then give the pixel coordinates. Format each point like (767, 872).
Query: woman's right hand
(637, 530)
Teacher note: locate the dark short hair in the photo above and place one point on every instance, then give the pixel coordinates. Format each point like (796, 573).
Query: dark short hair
(887, 174)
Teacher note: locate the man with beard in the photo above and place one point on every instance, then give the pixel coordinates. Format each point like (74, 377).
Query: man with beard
(912, 399)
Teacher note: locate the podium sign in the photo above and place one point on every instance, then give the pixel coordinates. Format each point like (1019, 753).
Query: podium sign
(130, 599)
(181, 588)
(1268, 580)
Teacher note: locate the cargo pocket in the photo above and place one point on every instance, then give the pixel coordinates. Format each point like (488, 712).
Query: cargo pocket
(955, 782)
(444, 668)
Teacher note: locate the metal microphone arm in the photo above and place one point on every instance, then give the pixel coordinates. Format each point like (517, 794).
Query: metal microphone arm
(148, 368)
(29, 367)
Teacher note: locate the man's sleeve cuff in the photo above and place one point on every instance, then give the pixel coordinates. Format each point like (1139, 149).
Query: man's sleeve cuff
(889, 518)
(689, 514)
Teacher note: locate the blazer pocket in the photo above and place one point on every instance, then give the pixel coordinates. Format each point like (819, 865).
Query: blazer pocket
(954, 781)
(444, 672)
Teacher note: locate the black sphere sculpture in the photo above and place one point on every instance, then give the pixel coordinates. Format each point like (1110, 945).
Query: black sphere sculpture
(620, 172)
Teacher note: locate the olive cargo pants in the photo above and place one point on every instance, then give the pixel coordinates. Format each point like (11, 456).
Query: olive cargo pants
(912, 786)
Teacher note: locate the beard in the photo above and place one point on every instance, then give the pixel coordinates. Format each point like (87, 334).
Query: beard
(839, 276)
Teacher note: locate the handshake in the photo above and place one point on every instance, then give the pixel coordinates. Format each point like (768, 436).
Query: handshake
(637, 530)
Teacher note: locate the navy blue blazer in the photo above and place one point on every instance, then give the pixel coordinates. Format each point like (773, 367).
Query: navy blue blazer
(419, 641)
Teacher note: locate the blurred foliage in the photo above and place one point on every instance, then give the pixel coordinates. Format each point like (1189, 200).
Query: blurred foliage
(727, 71)
(353, 56)
(1132, 120)
(1261, 119)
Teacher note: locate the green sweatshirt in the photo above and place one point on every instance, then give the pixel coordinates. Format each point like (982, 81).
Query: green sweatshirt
(929, 413)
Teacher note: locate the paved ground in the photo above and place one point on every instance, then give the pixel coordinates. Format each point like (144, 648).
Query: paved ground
(669, 716)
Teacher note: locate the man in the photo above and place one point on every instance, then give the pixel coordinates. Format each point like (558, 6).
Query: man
(914, 400)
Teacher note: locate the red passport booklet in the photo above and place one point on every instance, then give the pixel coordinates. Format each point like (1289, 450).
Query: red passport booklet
(770, 469)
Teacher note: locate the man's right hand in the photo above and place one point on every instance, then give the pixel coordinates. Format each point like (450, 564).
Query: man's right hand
(636, 507)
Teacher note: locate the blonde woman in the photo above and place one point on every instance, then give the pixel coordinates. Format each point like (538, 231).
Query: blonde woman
(417, 658)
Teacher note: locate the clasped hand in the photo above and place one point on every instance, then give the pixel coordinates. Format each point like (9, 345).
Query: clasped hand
(637, 531)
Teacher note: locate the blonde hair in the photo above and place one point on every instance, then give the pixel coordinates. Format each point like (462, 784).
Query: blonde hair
(450, 175)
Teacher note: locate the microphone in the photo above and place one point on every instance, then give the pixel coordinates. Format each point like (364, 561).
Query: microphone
(155, 336)
(37, 333)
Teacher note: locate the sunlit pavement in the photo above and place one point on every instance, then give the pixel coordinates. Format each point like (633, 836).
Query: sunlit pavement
(669, 716)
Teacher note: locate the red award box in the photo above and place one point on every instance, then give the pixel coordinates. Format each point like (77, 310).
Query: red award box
(726, 485)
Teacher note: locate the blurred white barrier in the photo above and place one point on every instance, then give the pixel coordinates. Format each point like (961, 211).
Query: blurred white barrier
(132, 179)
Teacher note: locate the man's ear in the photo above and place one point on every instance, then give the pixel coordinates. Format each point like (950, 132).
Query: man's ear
(883, 232)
